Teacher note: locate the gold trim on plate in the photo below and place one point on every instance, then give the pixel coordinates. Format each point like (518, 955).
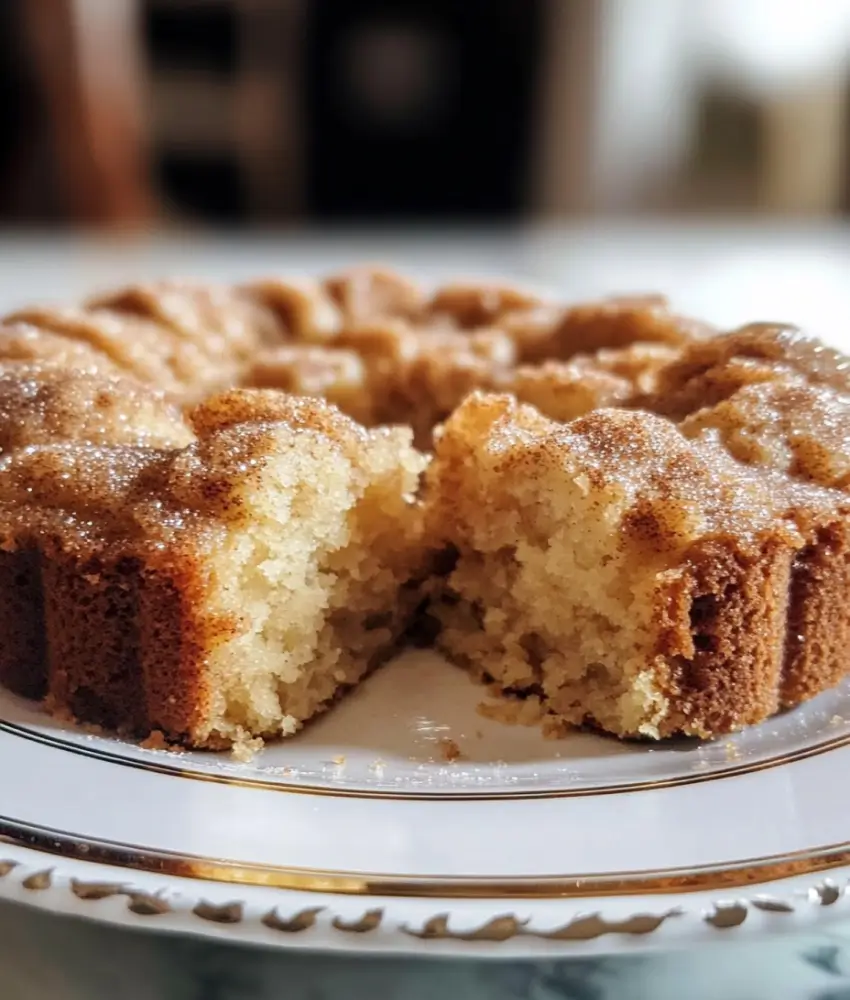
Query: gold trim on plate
(722, 916)
(730, 875)
(696, 778)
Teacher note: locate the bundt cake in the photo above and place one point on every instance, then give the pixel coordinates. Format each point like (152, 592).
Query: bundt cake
(221, 506)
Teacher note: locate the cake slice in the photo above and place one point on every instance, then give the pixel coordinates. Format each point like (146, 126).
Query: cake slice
(224, 590)
(48, 405)
(803, 432)
(610, 570)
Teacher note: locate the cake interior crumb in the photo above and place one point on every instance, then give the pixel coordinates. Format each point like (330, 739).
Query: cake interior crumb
(512, 710)
(245, 750)
(156, 740)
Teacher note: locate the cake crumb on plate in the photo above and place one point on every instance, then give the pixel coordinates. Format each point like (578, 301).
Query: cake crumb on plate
(449, 750)
(155, 740)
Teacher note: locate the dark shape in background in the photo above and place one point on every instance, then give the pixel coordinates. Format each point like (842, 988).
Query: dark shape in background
(420, 109)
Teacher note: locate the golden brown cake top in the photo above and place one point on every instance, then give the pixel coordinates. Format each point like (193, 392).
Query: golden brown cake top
(386, 352)
(473, 304)
(259, 406)
(770, 395)
(226, 321)
(20, 342)
(302, 309)
(135, 345)
(710, 370)
(563, 390)
(41, 404)
(364, 294)
(661, 489)
(387, 343)
(554, 331)
(801, 430)
(639, 363)
(136, 494)
(420, 353)
(305, 369)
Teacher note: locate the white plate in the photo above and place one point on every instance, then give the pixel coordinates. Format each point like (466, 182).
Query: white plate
(358, 833)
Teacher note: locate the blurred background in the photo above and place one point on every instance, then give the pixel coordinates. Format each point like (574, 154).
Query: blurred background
(271, 113)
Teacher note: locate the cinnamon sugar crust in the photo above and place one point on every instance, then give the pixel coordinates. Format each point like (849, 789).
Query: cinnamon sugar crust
(338, 375)
(41, 404)
(471, 305)
(801, 430)
(25, 344)
(304, 311)
(210, 527)
(709, 371)
(365, 294)
(552, 331)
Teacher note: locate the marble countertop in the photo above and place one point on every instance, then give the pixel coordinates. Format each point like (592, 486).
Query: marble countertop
(725, 273)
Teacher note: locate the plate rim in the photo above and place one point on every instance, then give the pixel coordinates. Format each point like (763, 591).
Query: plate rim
(156, 764)
(491, 928)
(681, 881)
